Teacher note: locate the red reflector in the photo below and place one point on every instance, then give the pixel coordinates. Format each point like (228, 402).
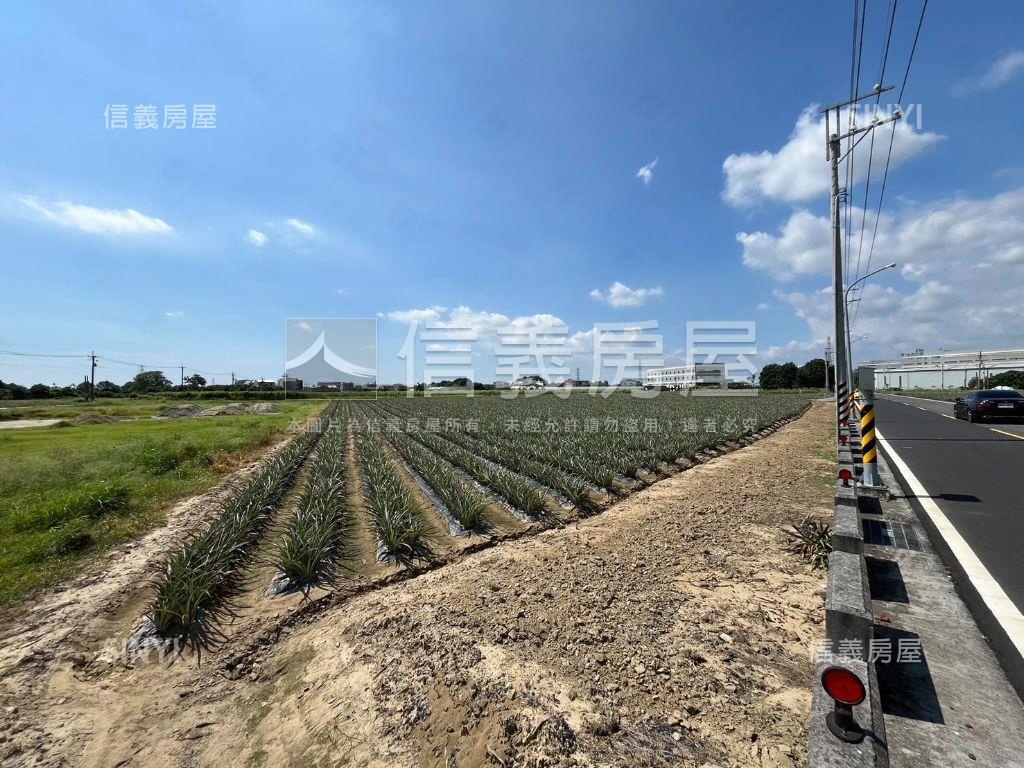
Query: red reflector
(845, 474)
(842, 685)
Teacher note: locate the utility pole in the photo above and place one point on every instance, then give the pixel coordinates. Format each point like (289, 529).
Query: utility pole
(182, 375)
(92, 376)
(232, 378)
(835, 156)
(842, 384)
(828, 360)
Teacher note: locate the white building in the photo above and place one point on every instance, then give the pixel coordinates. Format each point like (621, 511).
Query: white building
(686, 376)
(530, 381)
(917, 370)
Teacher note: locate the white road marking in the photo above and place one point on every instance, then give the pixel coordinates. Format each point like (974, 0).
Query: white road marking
(995, 599)
(912, 397)
(948, 416)
(1008, 434)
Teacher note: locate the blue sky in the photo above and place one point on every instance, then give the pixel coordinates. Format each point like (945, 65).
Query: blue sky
(484, 162)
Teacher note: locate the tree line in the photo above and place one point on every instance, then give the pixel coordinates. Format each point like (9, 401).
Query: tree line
(810, 375)
(143, 383)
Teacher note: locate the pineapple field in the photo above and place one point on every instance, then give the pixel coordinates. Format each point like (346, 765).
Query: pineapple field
(378, 487)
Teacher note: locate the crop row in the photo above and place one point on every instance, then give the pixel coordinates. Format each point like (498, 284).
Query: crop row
(312, 543)
(397, 516)
(197, 580)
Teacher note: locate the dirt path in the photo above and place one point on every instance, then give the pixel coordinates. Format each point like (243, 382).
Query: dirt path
(671, 629)
(25, 423)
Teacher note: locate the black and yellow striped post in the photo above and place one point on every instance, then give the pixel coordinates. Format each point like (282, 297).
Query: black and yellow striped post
(868, 442)
(843, 413)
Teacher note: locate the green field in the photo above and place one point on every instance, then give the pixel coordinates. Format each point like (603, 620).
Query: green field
(69, 493)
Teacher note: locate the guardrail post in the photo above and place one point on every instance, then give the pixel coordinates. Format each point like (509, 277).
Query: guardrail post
(869, 448)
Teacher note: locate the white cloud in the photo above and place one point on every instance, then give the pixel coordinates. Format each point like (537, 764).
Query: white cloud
(485, 324)
(803, 247)
(620, 295)
(301, 227)
(798, 171)
(1001, 72)
(795, 349)
(646, 173)
(304, 326)
(962, 258)
(175, 314)
(257, 238)
(98, 221)
(763, 307)
(428, 314)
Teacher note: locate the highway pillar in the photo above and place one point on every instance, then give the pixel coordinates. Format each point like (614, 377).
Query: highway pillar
(869, 447)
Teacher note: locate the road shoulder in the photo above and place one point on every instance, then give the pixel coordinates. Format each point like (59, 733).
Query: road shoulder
(952, 704)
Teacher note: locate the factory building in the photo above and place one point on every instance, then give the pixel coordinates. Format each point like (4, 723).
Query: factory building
(686, 376)
(918, 370)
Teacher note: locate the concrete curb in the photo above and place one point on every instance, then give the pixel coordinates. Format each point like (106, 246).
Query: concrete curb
(825, 749)
(849, 625)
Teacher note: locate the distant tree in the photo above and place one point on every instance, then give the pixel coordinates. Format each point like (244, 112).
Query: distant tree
(789, 374)
(771, 377)
(148, 381)
(18, 392)
(1013, 379)
(39, 391)
(83, 388)
(107, 389)
(812, 373)
(195, 381)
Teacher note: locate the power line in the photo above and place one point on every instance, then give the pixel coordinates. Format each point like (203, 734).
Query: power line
(35, 354)
(892, 137)
(91, 360)
(913, 50)
(871, 148)
(851, 122)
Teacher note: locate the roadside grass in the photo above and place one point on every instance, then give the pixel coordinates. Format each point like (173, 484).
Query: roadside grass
(69, 494)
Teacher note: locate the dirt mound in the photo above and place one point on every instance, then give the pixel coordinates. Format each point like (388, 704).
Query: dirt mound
(229, 409)
(94, 418)
(180, 412)
(236, 409)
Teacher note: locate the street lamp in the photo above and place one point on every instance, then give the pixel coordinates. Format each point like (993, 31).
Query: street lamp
(846, 297)
(862, 279)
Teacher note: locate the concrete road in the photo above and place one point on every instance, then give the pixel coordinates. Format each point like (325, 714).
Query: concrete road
(945, 408)
(966, 482)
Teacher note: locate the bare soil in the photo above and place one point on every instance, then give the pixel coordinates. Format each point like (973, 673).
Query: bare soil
(671, 629)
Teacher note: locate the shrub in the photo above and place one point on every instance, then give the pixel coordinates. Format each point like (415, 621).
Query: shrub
(812, 540)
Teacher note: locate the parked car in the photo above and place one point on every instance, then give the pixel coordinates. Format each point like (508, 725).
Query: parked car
(990, 404)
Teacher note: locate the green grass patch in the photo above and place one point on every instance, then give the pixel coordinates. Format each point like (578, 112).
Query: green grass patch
(68, 494)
